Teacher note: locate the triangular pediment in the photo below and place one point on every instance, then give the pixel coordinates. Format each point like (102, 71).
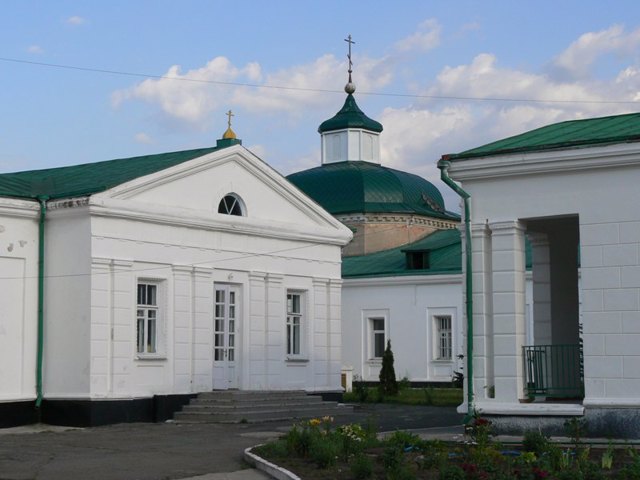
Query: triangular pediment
(194, 189)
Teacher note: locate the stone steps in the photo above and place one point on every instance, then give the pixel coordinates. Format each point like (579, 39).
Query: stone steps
(256, 407)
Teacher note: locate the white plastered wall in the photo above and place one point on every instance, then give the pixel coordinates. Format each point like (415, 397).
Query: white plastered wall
(408, 305)
(18, 299)
(599, 185)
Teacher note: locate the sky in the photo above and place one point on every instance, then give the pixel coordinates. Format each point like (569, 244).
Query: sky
(88, 81)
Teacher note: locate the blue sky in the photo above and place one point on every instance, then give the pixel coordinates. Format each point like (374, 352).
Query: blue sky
(584, 56)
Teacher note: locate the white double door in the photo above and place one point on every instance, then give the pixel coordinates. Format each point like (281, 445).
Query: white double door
(225, 337)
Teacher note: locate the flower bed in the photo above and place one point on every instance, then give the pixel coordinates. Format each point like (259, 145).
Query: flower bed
(315, 450)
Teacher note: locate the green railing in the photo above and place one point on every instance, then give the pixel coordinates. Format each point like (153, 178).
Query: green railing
(554, 371)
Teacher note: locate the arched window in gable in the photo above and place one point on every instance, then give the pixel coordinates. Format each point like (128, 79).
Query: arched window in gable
(232, 204)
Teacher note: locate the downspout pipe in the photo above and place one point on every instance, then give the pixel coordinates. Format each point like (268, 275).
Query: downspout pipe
(42, 200)
(444, 164)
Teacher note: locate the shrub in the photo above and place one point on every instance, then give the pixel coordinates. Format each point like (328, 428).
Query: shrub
(323, 451)
(404, 384)
(534, 441)
(361, 467)
(452, 472)
(388, 383)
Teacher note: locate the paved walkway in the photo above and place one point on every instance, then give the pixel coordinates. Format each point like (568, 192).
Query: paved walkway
(172, 451)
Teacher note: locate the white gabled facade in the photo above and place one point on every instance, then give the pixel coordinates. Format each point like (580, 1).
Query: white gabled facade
(205, 270)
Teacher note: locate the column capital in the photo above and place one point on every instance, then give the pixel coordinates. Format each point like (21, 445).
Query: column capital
(275, 278)
(480, 230)
(204, 272)
(320, 282)
(508, 227)
(256, 275)
(182, 269)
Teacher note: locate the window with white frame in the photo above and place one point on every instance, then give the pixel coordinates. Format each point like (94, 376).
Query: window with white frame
(377, 337)
(148, 318)
(295, 319)
(443, 337)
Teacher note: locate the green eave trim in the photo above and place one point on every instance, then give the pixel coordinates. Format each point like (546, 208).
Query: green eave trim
(564, 135)
(350, 116)
(90, 178)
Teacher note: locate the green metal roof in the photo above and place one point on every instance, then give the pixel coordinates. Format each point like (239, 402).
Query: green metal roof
(350, 116)
(445, 254)
(445, 257)
(563, 135)
(364, 187)
(89, 178)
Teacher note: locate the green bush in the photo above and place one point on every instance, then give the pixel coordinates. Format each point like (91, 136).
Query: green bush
(534, 441)
(324, 451)
(361, 467)
(388, 383)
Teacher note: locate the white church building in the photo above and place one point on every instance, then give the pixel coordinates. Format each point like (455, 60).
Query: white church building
(129, 285)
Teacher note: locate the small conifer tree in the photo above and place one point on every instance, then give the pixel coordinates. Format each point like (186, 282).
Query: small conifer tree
(388, 384)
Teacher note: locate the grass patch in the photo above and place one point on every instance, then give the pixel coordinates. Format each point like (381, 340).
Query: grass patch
(440, 397)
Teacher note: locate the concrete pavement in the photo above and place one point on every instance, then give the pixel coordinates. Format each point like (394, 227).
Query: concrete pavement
(169, 450)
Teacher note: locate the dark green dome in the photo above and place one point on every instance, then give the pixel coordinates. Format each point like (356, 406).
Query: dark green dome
(350, 116)
(363, 187)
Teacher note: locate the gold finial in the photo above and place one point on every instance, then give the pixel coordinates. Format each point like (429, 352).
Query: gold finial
(229, 133)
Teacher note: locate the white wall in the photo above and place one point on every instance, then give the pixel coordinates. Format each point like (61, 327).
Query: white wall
(18, 298)
(600, 185)
(247, 262)
(67, 316)
(409, 304)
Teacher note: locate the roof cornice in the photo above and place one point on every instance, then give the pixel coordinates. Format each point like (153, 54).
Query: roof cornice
(115, 208)
(545, 162)
(390, 281)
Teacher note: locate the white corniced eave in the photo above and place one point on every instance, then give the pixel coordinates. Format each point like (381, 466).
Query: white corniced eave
(18, 208)
(444, 279)
(125, 209)
(546, 162)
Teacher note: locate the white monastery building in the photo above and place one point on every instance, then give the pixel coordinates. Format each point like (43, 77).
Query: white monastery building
(572, 189)
(128, 286)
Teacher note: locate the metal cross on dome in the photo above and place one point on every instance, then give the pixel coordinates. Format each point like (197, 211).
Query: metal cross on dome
(350, 42)
(229, 114)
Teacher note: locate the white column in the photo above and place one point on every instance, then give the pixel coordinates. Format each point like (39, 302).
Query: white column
(508, 285)
(257, 342)
(182, 334)
(541, 288)
(202, 330)
(101, 327)
(124, 321)
(275, 332)
(483, 366)
(334, 333)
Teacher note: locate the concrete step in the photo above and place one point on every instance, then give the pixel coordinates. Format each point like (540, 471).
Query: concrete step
(230, 406)
(256, 406)
(257, 417)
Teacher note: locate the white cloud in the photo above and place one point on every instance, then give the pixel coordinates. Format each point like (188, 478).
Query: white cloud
(426, 38)
(142, 137)
(35, 49)
(580, 56)
(192, 96)
(76, 20)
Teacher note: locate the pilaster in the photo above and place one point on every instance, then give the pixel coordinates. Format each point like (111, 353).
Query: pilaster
(508, 286)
